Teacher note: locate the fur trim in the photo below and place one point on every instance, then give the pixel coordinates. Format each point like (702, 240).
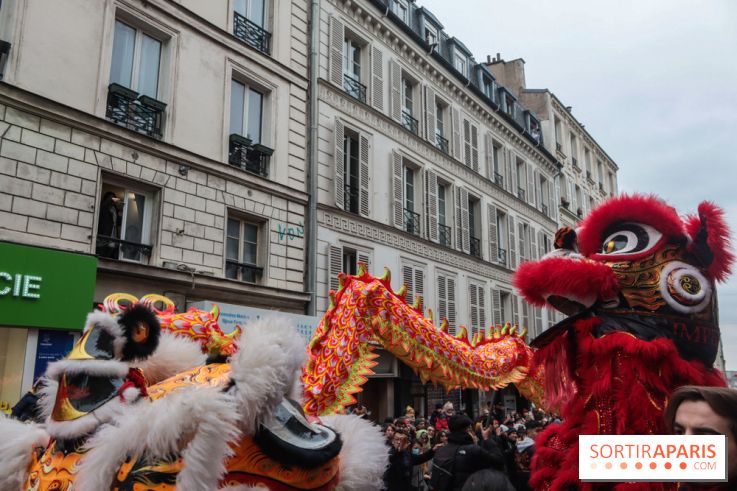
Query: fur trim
(243, 487)
(711, 242)
(16, 449)
(364, 457)
(268, 361)
(570, 278)
(129, 321)
(110, 368)
(47, 397)
(628, 208)
(175, 354)
(199, 423)
(107, 322)
(66, 430)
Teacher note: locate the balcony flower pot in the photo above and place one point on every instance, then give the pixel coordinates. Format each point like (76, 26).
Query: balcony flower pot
(152, 103)
(263, 149)
(237, 139)
(121, 91)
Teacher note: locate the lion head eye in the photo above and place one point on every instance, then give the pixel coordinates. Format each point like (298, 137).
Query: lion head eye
(629, 238)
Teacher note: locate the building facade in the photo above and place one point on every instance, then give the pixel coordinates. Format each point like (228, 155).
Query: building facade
(165, 138)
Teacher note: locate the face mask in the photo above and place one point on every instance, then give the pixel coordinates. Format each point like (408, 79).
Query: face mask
(416, 451)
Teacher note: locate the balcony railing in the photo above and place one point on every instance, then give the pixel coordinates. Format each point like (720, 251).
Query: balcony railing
(575, 163)
(445, 235)
(250, 157)
(521, 193)
(558, 146)
(115, 248)
(499, 179)
(411, 222)
(251, 34)
(544, 209)
(409, 122)
(249, 273)
(475, 246)
(601, 187)
(350, 198)
(442, 143)
(136, 112)
(354, 88)
(502, 257)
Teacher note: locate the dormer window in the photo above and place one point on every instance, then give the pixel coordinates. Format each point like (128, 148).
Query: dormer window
(401, 9)
(431, 37)
(460, 62)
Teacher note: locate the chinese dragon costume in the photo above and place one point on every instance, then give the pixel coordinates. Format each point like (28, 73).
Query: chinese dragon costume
(638, 285)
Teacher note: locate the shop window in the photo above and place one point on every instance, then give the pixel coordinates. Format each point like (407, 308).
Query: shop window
(124, 223)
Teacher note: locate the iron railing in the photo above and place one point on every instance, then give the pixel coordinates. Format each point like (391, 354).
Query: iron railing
(354, 88)
(250, 157)
(409, 122)
(350, 198)
(558, 146)
(114, 248)
(475, 246)
(442, 143)
(411, 222)
(250, 33)
(445, 235)
(249, 273)
(575, 162)
(133, 111)
(502, 256)
(499, 179)
(521, 193)
(544, 209)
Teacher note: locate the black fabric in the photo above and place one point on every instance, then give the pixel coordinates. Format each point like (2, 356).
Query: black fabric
(27, 409)
(129, 320)
(462, 457)
(398, 476)
(459, 422)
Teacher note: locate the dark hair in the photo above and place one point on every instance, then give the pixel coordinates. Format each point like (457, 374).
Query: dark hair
(487, 480)
(721, 400)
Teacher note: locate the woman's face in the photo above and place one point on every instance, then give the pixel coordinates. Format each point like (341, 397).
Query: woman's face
(431, 431)
(389, 432)
(443, 437)
(423, 438)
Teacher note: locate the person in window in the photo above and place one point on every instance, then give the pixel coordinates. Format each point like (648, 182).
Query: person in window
(108, 225)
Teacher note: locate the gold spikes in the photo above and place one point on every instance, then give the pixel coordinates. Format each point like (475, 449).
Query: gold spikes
(481, 335)
(429, 315)
(497, 333)
(341, 281)
(362, 268)
(462, 333)
(444, 326)
(387, 276)
(331, 294)
(505, 329)
(417, 304)
(523, 332)
(513, 330)
(402, 292)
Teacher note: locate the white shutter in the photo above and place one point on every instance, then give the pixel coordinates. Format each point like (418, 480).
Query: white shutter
(431, 204)
(408, 280)
(513, 170)
(430, 114)
(526, 317)
(337, 38)
(339, 164)
(533, 244)
(363, 176)
(515, 311)
(530, 185)
(474, 147)
(512, 243)
(442, 292)
(467, 143)
(335, 265)
(538, 321)
(541, 244)
(552, 201)
(482, 307)
(462, 220)
(474, 308)
(451, 284)
(538, 189)
(493, 233)
(489, 161)
(456, 129)
(397, 190)
(419, 286)
(377, 79)
(522, 242)
(395, 77)
(496, 302)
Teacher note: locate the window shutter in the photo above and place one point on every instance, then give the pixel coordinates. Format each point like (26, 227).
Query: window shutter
(397, 189)
(512, 243)
(496, 301)
(493, 234)
(538, 321)
(526, 317)
(538, 189)
(462, 220)
(363, 257)
(489, 153)
(513, 171)
(550, 316)
(541, 244)
(431, 203)
(377, 79)
(419, 285)
(530, 185)
(363, 176)
(408, 280)
(442, 290)
(564, 187)
(335, 265)
(473, 303)
(456, 128)
(552, 202)
(395, 76)
(430, 114)
(337, 38)
(475, 147)
(515, 311)
(451, 284)
(339, 164)
(521, 242)
(467, 143)
(533, 244)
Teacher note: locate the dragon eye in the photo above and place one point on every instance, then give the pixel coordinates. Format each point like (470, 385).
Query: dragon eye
(629, 238)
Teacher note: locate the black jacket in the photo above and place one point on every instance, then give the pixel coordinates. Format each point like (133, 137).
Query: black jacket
(470, 457)
(398, 477)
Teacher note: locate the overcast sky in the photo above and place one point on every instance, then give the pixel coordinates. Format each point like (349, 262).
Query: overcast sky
(654, 81)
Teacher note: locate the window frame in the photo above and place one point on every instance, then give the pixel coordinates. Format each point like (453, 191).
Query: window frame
(139, 33)
(261, 245)
(349, 136)
(245, 112)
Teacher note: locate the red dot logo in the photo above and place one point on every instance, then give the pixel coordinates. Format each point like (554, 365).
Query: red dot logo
(668, 465)
(653, 465)
(683, 465)
(638, 465)
(623, 465)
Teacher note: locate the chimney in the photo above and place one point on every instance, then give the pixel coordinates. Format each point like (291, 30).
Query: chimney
(488, 59)
(498, 57)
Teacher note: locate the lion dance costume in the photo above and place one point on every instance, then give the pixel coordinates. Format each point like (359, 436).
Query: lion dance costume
(637, 282)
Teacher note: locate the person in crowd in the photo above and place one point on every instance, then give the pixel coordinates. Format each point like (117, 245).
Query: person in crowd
(409, 413)
(520, 473)
(27, 408)
(533, 429)
(398, 476)
(420, 473)
(488, 480)
(441, 437)
(441, 422)
(389, 431)
(436, 412)
(431, 433)
(706, 411)
(420, 424)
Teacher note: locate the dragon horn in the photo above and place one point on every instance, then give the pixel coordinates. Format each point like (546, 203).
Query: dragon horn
(417, 304)
(512, 330)
(523, 332)
(482, 336)
(341, 281)
(362, 268)
(331, 294)
(505, 329)
(402, 292)
(387, 276)
(462, 333)
(497, 331)
(429, 315)
(444, 326)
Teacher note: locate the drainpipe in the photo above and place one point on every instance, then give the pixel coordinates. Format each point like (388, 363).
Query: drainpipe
(311, 279)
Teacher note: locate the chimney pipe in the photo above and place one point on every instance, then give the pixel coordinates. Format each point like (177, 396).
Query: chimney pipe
(488, 59)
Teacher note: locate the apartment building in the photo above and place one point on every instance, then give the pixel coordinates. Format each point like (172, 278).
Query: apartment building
(430, 166)
(153, 146)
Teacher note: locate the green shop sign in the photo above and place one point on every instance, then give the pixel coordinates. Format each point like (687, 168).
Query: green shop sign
(45, 287)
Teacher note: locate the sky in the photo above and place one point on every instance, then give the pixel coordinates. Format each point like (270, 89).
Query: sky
(654, 82)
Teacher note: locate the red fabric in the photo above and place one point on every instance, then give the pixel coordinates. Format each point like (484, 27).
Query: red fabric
(632, 208)
(622, 385)
(441, 423)
(134, 379)
(711, 217)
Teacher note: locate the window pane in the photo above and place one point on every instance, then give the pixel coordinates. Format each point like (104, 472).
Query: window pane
(121, 68)
(257, 12)
(240, 7)
(255, 101)
(237, 98)
(251, 233)
(234, 228)
(231, 249)
(250, 243)
(135, 208)
(231, 271)
(148, 76)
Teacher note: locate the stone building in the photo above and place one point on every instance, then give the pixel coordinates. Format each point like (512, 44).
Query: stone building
(166, 138)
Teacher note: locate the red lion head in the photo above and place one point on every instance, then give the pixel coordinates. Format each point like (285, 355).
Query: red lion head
(636, 261)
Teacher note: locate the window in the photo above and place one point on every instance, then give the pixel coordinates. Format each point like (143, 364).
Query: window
(558, 135)
(579, 202)
(474, 226)
(352, 70)
(351, 157)
(476, 298)
(431, 36)
(351, 172)
(242, 251)
(506, 307)
(246, 129)
(124, 223)
(612, 184)
(440, 140)
(490, 89)
(411, 216)
(249, 24)
(521, 179)
(574, 150)
(134, 81)
(413, 276)
(587, 162)
(471, 145)
(444, 230)
(544, 198)
(400, 8)
(600, 174)
(446, 293)
(501, 236)
(496, 162)
(459, 62)
(408, 119)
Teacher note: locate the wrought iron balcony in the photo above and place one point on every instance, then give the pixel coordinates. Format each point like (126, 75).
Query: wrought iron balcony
(409, 122)
(574, 160)
(114, 248)
(501, 256)
(354, 88)
(249, 273)
(475, 246)
(445, 235)
(521, 193)
(442, 143)
(544, 209)
(499, 179)
(250, 157)
(350, 198)
(558, 146)
(411, 222)
(251, 33)
(133, 111)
